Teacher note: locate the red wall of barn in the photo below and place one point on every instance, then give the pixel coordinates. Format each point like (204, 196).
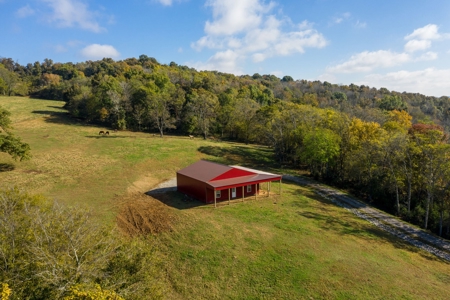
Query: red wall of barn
(197, 189)
(224, 193)
(191, 187)
(238, 186)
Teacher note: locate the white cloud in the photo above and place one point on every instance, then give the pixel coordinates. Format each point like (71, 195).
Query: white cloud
(25, 11)
(429, 81)
(263, 38)
(258, 57)
(165, 2)
(225, 61)
(427, 56)
(234, 16)
(73, 13)
(208, 42)
(421, 38)
(248, 28)
(60, 49)
(367, 61)
(417, 45)
(74, 43)
(359, 24)
(305, 25)
(428, 32)
(294, 42)
(342, 17)
(96, 51)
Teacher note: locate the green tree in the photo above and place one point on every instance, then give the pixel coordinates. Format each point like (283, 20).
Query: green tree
(432, 142)
(8, 81)
(159, 112)
(393, 102)
(244, 117)
(365, 155)
(339, 96)
(287, 78)
(320, 148)
(203, 107)
(224, 118)
(160, 103)
(9, 143)
(395, 144)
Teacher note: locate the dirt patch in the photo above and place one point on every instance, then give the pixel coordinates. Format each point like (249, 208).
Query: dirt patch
(142, 215)
(142, 185)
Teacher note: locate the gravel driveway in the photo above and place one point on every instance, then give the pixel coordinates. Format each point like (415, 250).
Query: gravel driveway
(384, 221)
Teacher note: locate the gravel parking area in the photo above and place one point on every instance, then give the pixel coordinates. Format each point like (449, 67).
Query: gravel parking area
(167, 186)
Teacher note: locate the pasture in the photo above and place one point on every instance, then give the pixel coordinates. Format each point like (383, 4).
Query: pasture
(298, 247)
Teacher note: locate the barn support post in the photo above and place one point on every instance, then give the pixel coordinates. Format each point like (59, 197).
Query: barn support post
(206, 195)
(229, 196)
(215, 196)
(268, 189)
(280, 188)
(256, 191)
(242, 193)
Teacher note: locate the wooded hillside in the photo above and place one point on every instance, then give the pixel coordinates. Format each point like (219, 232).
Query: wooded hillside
(389, 147)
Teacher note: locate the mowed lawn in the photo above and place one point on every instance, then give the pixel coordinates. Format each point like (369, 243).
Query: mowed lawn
(299, 246)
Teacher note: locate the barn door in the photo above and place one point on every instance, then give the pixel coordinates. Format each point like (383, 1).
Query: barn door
(233, 193)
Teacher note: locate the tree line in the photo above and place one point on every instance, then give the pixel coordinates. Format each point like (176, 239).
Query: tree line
(389, 147)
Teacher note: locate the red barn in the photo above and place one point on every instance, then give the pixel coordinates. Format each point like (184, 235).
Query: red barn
(210, 182)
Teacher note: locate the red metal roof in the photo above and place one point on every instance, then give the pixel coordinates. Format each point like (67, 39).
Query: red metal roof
(204, 170)
(244, 180)
(220, 176)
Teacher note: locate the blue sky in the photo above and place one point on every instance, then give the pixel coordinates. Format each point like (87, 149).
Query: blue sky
(400, 45)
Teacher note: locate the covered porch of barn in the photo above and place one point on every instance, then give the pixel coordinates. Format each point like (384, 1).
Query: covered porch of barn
(243, 187)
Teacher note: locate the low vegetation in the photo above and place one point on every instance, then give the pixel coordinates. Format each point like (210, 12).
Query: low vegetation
(294, 247)
(50, 251)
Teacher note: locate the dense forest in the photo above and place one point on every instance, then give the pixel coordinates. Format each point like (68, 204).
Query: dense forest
(388, 147)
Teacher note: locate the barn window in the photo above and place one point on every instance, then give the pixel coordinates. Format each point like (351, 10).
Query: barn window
(218, 194)
(249, 188)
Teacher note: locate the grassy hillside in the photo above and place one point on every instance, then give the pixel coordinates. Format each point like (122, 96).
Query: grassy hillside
(75, 165)
(300, 246)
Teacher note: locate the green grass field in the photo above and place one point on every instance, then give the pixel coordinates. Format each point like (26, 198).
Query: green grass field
(299, 246)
